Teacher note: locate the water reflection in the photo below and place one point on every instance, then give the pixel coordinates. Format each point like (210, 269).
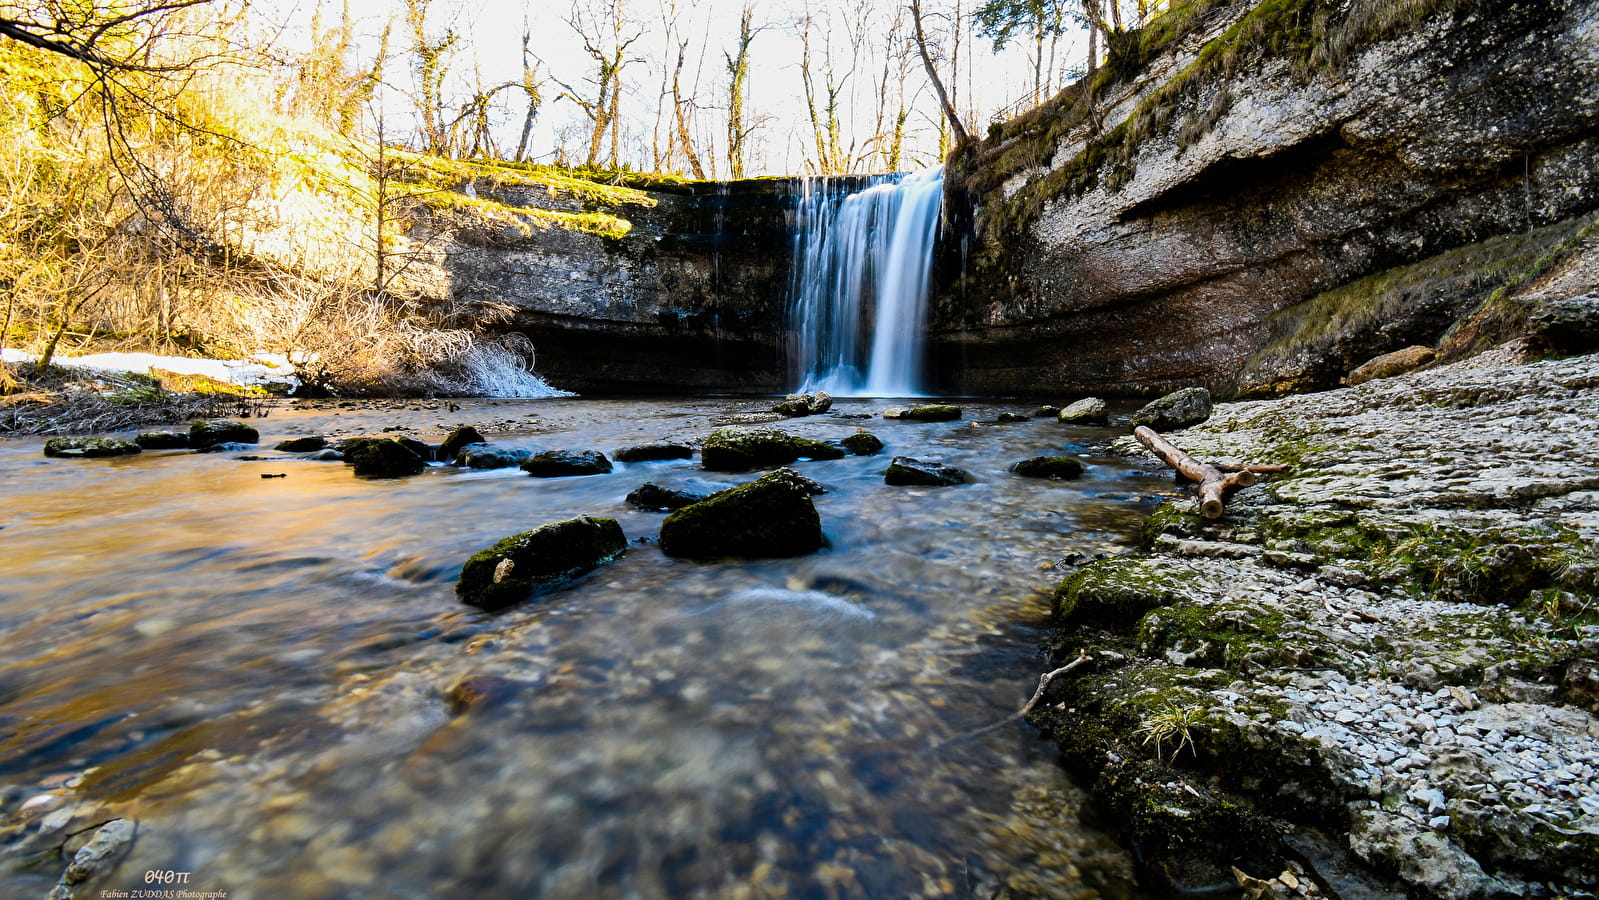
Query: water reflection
(274, 676)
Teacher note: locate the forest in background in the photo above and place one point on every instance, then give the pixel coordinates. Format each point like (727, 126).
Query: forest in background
(184, 176)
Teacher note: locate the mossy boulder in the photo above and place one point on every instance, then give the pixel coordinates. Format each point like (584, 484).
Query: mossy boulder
(1088, 411)
(932, 413)
(1178, 409)
(739, 449)
(653, 453)
(1009, 417)
(652, 496)
(382, 458)
(1055, 467)
(492, 456)
(537, 561)
(560, 463)
(1046, 412)
(862, 443)
(457, 439)
(302, 444)
(83, 448)
(772, 516)
(204, 433)
(905, 470)
(162, 440)
(1117, 592)
(796, 405)
(423, 449)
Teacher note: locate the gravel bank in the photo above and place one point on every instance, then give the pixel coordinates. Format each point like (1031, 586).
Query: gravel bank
(1378, 668)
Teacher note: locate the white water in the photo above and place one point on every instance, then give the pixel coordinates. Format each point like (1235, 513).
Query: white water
(862, 263)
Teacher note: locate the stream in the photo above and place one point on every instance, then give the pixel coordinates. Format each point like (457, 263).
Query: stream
(259, 671)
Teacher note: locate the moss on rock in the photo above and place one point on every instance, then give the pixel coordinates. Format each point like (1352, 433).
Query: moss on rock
(83, 448)
(538, 560)
(1118, 591)
(772, 516)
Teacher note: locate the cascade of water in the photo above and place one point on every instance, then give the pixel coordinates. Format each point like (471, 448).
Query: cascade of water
(862, 262)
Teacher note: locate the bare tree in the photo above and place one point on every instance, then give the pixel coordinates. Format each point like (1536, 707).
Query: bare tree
(951, 114)
(738, 67)
(607, 33)
(431, 65)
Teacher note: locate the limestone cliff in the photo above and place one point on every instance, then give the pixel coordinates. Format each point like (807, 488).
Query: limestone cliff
(1240, 159)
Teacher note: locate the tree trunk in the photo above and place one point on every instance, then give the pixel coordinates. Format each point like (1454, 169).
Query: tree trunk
(1214, 485)
(951, 115)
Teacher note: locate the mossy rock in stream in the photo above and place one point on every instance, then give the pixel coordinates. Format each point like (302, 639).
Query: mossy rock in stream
(653, 453)
(302, 444)
(562, 463)
(84, 448)
(538, 560)
(1117, 592)
(458, 439)
(862, 443)
(906, 470)
(204, 433)
(162, 440)
(381, 458)
(772, 516)
(1178, 409)
(739, 449)
(1053, 467)
(932, 413)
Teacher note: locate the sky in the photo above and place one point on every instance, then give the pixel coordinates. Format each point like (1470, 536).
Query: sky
(491, 46)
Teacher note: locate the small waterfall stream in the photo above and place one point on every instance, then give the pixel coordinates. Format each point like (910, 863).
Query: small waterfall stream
(858, 298)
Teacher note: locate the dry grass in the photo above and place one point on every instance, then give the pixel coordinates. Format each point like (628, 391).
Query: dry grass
(68, 401)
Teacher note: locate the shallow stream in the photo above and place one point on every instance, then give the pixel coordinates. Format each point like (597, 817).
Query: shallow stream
(258, 671)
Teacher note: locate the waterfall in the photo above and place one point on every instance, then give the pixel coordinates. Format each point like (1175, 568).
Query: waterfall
(862, 262)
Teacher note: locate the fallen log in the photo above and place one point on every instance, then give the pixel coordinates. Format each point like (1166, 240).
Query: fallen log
(1214, 484)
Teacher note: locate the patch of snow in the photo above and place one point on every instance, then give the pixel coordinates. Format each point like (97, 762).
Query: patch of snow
(260, 368)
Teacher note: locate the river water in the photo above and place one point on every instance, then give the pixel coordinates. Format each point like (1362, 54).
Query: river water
(258, 671)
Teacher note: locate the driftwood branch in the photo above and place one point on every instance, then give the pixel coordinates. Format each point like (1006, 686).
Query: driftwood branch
(1215, 485)
(1043, 683)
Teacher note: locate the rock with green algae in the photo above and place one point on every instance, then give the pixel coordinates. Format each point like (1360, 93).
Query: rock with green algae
(1088, 411)
(492, 456)
(84, 448)
(302, 444)
(1119, 591)
(1056, 467)
(1178, 409)
(560, 463)
(739, 449)
(772, 516)
(937, 412)
(652, 496)
(905, 470)
(862, 443)
(204, 433)
(539, 560)
(458, 439)
(381, 458)
(796, 405)
(162, 440)
(653, 453)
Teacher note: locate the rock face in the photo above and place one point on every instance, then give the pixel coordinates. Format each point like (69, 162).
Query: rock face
(1148, 244)
(905, 470)
(1179, 409)
(538, 560)
(772, 516)
(221, 431)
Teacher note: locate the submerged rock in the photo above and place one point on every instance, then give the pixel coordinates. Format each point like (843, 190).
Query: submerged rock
(739, 449)
(382, 458)
(652, 496)
(302, 444)
(83, 448)
(538, 560)
(904, 470)
(225, 447)
(492, 456)
(204, 433)
(653, 453)
(1087, 411)
(457, 439)
(162, 440)
(1049, 467)
(862, 443)
(559, 463)
(931, 413)
(1390, 364)
(328, 455)
(772, 516)
(796, 405)
(1179, 409)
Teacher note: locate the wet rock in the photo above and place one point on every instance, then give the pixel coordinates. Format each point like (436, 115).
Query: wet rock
(904, 470)
(1390, 364)
(492, 456)
(458, 439)
(796, 405)
(382, 458)
(422, 449)
(739, 449)
(895, 412)
(162, 440)
(1008, 417)
(477, 692)
(84, 448)
(1049, 467)
(932, 413)
(1046, 412)
(225, 447)
(652, 496)
(862, 443)
(1421, 857)
(653, 453)
(302, 444)
(559, 463)
(328, 455)
(97, 857)
(1087, 411)
(1567, 324)
(538, 560)
(1179, 409)
(772, 516)
(204, 433)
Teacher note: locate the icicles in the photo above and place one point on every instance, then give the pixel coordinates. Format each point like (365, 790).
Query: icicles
(859, 293)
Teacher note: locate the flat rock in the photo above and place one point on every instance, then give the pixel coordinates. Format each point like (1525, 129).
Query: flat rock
(204, 433)
(492, 456)
(162, 440)
(937, 412)
(904, 470)
(539, 560)
(302, 444)
(653, 453)
(84, 448)
(559, 463)
(739, 449)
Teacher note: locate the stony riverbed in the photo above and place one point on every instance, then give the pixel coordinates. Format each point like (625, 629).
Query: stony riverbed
(1381, 663)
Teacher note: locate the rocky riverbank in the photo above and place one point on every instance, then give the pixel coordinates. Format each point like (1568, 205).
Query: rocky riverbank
(1378, 668)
